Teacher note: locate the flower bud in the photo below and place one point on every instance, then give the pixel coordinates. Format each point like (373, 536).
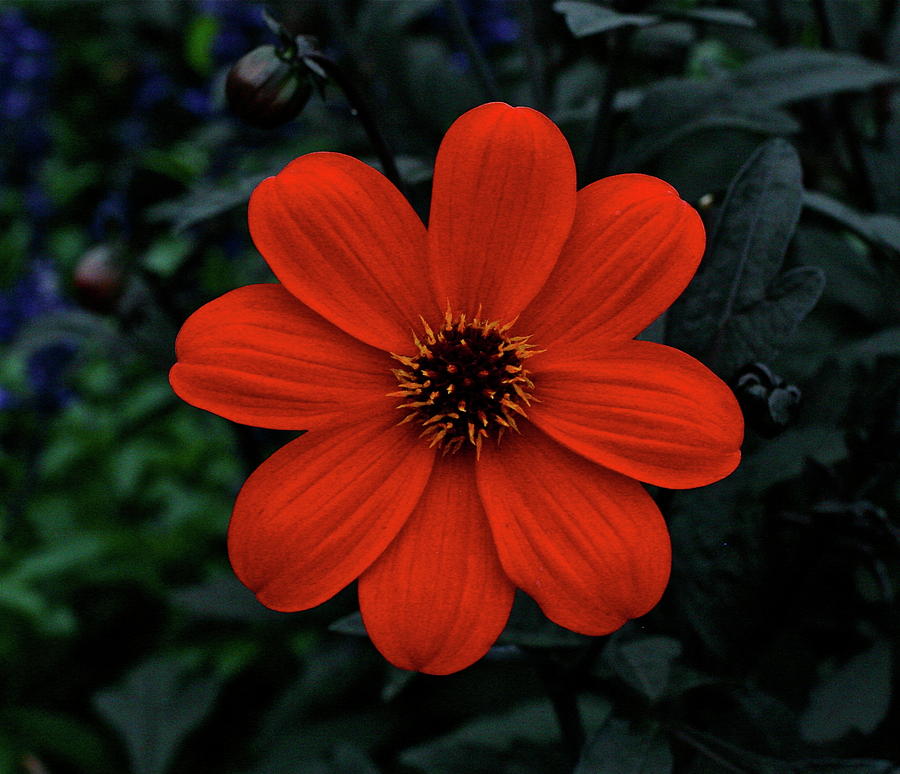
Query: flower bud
(97, 280)
(769, 403)
(266, 90)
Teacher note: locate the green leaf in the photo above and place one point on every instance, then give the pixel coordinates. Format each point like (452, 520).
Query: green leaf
(766, 122)
(748, 98)
(791, 74)
(66, 557)
(586, 19)
(154, 709)
(167, 254)
(496, 738)
(867, 350)
(760, 331)
(717, 564)
(350, 624)
(205, 202)
(377, 18)
(856, 696)
(716, 756)
(201, 34)
(224, 598)
(68, 325)
(738, 308)
(395, 681)
(845, 766)
(58, 734)
(783, 457)
(725, 16)
(879, 229)
(619, 747)
(529, 627)
(644, 663)
(523, 758)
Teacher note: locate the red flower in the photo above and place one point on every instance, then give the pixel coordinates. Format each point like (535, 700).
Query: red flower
(521, 298)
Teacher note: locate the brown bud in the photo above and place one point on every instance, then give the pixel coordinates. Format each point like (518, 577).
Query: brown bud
(266, 90)
(97, 280)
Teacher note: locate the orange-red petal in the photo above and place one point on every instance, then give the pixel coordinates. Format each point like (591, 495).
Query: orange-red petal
(643, 409)
(345, 242)
(257, 355)
(502, 205)
(632, 250)
(437, 598)
(589, 545)
(321, 509)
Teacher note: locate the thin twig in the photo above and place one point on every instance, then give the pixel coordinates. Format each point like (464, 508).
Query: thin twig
(565, 705)
(701, 748)
(844, 119)
(467, 41)
(602, 141)
(535, 57)
(361, 110)
(778, 28)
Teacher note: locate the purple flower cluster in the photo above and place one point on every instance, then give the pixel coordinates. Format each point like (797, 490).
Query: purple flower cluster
(25, 73)
(26, 70)
(32, 296)
(492, 22)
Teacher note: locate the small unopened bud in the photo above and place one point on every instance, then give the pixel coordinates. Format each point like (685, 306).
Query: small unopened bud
(97, 280)
(769, 403)
(266, 90)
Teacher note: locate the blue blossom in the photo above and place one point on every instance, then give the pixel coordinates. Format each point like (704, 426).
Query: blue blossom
(25, 72)
(492, 22)
(34, 295)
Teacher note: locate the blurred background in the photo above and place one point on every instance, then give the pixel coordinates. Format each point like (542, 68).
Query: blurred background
(126, 644)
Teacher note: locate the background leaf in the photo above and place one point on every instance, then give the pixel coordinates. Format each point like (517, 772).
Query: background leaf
(738, 309)
(154, 709)
(585, 19)
(622, 748)
(856, 696)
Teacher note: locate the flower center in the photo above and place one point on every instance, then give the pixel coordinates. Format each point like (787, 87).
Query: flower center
(466, 382)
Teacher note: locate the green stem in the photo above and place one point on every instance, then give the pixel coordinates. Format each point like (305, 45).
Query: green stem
(360, 109)
(859, 173)
(703, 749)
(602, 141)
(777, 24)
(535, 58)
(468, 42)
(564, 699)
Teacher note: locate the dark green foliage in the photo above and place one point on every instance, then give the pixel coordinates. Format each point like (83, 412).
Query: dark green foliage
(128, 645)
(742, 307)
(155, 709)
(619, 748)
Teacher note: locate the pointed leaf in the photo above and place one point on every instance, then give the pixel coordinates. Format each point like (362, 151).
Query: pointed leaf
(880, 229)
(726, 16)
(760, 331)
(622, 748)
(204, 202)
(791, 74)
(736, 310)
(856, 696)
(531, 725)
(586, 19)
(529, 627)
(844, 766)
(645, 663)
(351, 623)
(154, 709)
